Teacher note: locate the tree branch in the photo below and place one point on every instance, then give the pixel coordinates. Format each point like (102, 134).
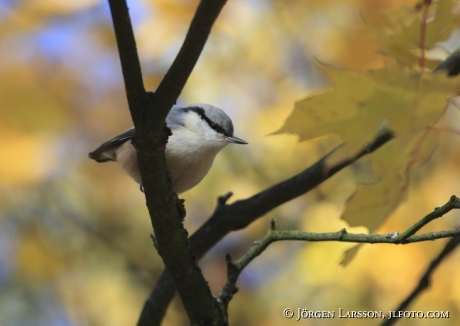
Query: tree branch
(438, 212)
(149, 112)
(178, 73)
(235, 269)
(129, 59)
(424, 281)
(227, 218)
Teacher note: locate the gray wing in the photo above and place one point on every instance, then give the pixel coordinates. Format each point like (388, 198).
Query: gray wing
(111, 145)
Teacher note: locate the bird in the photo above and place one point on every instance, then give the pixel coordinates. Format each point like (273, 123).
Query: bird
(199, 133)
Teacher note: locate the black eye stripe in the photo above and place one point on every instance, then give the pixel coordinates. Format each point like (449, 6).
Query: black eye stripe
(203, 116)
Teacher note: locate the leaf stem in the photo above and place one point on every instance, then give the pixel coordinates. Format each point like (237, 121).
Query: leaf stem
(426, 5)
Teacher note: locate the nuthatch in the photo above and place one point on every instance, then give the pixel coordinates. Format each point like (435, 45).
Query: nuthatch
(199, 132)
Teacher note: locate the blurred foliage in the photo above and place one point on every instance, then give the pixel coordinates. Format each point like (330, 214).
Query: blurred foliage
(400, 97)
(74, 235)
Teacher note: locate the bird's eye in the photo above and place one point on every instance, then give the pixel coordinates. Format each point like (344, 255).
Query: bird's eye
(213, 125)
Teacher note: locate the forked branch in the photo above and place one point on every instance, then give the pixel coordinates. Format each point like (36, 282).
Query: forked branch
(408, 236)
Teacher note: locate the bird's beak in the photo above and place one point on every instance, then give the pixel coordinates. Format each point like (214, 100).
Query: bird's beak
(235, 140)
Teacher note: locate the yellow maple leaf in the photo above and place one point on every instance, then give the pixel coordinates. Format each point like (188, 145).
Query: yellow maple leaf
(407, 101)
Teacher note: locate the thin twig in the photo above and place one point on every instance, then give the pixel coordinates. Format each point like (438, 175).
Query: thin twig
(453, 203)
(424, 281)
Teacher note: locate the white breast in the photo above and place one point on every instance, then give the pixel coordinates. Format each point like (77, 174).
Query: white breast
(190, 158)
